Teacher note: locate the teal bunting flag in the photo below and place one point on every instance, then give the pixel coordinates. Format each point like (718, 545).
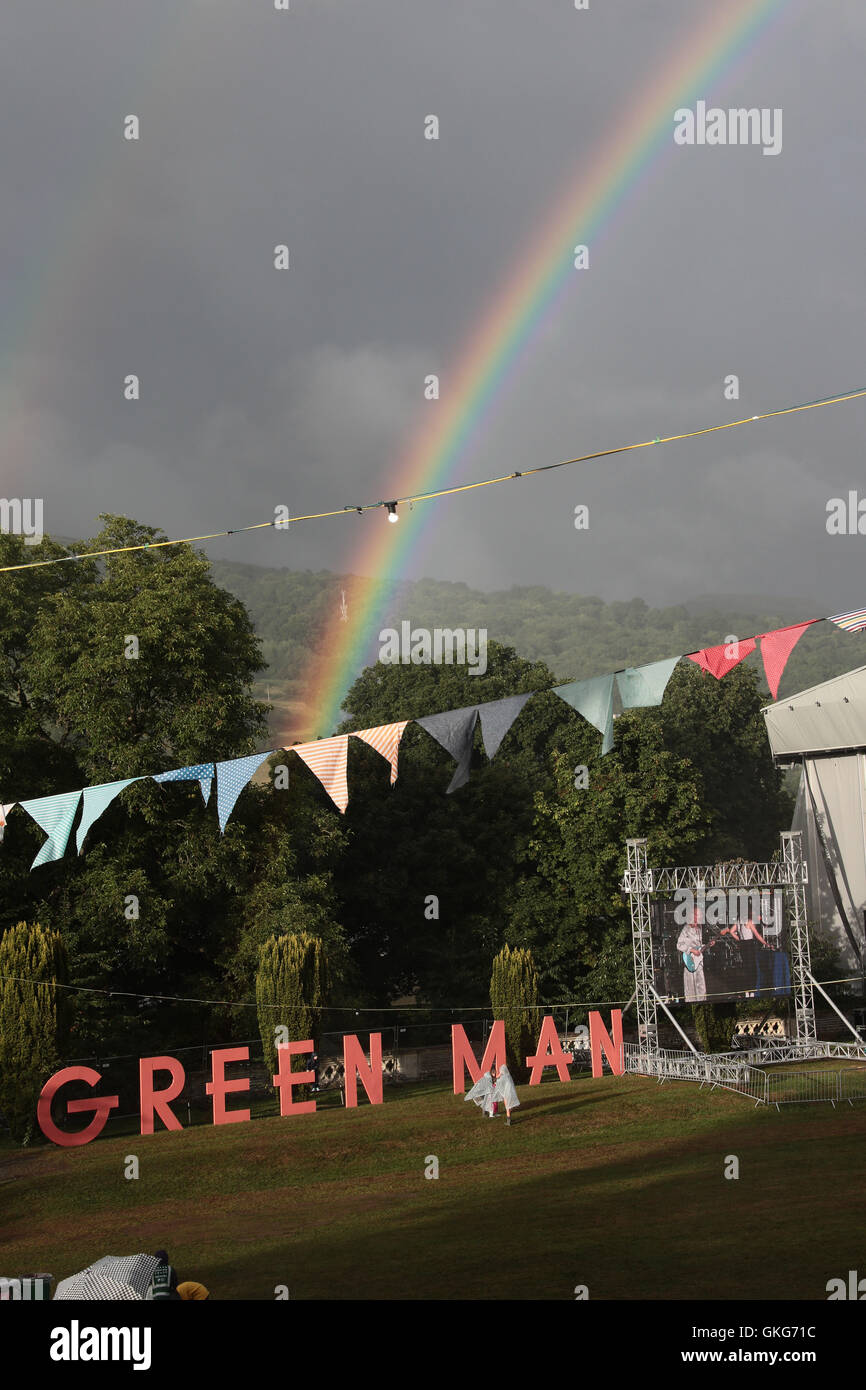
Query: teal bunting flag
(55, 815)
(96, 800)
(594, 700)
(640, 686)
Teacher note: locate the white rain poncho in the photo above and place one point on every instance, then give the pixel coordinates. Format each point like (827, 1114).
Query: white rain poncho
(482, 1093)
(504, 1089)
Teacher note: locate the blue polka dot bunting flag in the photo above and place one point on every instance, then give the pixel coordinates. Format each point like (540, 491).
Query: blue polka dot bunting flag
(200, 772)
(231, 778)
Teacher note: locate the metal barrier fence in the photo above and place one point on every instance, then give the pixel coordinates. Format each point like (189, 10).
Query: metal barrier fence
(799, 1087)
(730, 1070)
(765, 1084)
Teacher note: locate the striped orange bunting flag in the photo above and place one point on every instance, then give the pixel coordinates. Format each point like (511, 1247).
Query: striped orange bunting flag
(385, 738)
(326, 757)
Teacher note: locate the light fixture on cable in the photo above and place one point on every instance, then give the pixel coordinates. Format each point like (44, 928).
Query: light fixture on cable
(392, 511)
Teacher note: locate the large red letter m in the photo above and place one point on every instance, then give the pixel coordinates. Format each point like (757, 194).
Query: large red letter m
(463, 1058)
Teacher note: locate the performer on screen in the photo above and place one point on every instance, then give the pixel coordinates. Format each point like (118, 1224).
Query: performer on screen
(690, 940)
(748, 936)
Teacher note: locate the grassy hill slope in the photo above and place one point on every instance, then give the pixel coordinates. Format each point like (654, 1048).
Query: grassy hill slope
(616, 1183)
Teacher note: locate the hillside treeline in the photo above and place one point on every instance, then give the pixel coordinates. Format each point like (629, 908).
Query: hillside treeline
(574, 635)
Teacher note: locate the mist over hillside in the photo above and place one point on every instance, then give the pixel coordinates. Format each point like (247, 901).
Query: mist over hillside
(575, 635)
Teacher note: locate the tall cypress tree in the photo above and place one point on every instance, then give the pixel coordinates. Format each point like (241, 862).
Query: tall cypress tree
(34, 1020)
(292, 986)
(513, 992)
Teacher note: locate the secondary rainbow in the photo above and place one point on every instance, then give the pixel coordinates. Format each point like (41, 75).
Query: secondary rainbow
(538, 284)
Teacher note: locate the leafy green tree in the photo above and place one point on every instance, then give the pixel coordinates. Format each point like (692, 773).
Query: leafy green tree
(292, 986)
(719, 727)
(385, 692)
(146, 663)
(714, 1023)
(513, 997)
(426, 877)
(567, 906)
(33, 1020)
(154, 905)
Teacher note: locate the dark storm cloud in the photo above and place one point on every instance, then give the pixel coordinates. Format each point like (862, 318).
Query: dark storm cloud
(304, 387)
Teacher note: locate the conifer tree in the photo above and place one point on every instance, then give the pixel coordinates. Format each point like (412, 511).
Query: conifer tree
(292, 986)
(513, 992)
(33, 1021)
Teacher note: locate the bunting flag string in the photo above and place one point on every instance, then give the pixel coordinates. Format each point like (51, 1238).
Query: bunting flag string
(855, 621)
(593, 699)
(454, 730)
(643, 686)
(55, 815)
(497, 717)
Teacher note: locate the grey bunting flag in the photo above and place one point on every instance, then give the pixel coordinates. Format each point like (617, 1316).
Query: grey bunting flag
(454, 729)
(497, 718)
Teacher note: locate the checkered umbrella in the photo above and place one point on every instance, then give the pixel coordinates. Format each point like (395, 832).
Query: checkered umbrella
(114, 1276)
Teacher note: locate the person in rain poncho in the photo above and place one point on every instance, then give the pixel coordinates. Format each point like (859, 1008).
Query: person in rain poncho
(504, 1090)
(481, 1093)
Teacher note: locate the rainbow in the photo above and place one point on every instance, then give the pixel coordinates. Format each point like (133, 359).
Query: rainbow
(538, 284)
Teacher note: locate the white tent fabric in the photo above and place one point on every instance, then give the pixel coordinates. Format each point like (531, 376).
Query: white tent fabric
(831, 814)
(811, 728)
(824, 719)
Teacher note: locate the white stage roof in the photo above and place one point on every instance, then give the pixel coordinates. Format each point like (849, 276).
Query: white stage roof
(826, 719)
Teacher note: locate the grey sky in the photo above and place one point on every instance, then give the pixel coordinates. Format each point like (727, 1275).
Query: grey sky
(304, 387)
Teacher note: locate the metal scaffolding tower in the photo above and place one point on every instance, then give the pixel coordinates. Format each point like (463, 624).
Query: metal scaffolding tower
(638, 883)
(801, 964)
(641, 883)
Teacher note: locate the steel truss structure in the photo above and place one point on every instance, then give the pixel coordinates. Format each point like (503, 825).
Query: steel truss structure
(641, 883)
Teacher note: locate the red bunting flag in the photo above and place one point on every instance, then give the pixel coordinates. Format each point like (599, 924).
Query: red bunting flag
(719, 661)
(385, 738)
(326, 757)
(776, 647)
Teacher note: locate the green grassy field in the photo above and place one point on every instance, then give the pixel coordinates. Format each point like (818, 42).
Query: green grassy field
(617, 1184)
